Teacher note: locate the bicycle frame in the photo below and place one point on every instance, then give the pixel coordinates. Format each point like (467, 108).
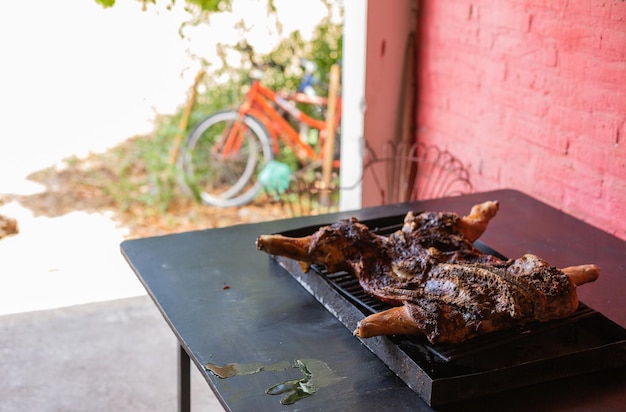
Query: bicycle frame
(241, 142)
(258, 103)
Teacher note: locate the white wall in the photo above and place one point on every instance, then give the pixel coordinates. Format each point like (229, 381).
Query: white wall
(353, 109)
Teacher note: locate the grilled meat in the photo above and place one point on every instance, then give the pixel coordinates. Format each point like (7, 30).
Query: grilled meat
(440, 285)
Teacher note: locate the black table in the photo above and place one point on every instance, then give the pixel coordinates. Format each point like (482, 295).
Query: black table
(228, 303)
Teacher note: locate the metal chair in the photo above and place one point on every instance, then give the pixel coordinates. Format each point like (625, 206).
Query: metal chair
(306, 194)
(403, 173)
(407, 172)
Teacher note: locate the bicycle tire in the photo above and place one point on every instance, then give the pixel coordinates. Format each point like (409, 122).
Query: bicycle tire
(224, 181)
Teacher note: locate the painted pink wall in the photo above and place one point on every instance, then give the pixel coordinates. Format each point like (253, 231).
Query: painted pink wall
(531, 95)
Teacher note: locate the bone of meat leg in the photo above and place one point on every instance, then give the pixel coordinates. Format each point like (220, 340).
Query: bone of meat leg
(579, 275)
(291, 247)
(394, 321)
(474, 225)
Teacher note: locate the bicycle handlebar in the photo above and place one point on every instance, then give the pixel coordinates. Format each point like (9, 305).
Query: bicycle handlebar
(258, 69)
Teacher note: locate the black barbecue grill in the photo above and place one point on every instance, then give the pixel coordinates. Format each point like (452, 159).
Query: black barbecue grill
(584, 342)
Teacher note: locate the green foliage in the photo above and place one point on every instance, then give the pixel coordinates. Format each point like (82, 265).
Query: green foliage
(283, 72)
(145, 177)
(201, 5)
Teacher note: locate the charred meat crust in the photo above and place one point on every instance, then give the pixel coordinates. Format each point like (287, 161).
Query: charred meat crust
(444, 288)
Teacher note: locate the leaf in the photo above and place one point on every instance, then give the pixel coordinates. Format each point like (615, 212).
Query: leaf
(106, 3)
(212, 5)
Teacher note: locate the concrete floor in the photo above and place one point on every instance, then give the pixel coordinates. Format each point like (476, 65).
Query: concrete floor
(118, 355)
(77, 330)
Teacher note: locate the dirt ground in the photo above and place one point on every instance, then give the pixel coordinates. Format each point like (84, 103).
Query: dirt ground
(79, 185)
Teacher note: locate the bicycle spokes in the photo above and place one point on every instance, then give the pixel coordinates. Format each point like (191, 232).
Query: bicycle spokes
(224, 156)
(232, 160)
(230, 141)
(234, 140)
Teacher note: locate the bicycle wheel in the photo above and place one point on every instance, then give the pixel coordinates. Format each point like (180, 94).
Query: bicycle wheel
(222, 157)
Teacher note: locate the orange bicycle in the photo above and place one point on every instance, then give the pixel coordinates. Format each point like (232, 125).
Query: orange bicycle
(224, 153)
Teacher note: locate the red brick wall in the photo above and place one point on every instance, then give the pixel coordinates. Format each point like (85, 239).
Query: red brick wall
(532, 96)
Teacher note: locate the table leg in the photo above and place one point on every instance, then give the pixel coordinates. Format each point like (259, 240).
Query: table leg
(184, 381)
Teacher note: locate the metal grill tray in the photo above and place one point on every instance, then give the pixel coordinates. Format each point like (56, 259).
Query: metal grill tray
(582, 343)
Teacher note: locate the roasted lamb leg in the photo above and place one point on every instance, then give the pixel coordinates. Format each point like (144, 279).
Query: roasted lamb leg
(442, 287)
